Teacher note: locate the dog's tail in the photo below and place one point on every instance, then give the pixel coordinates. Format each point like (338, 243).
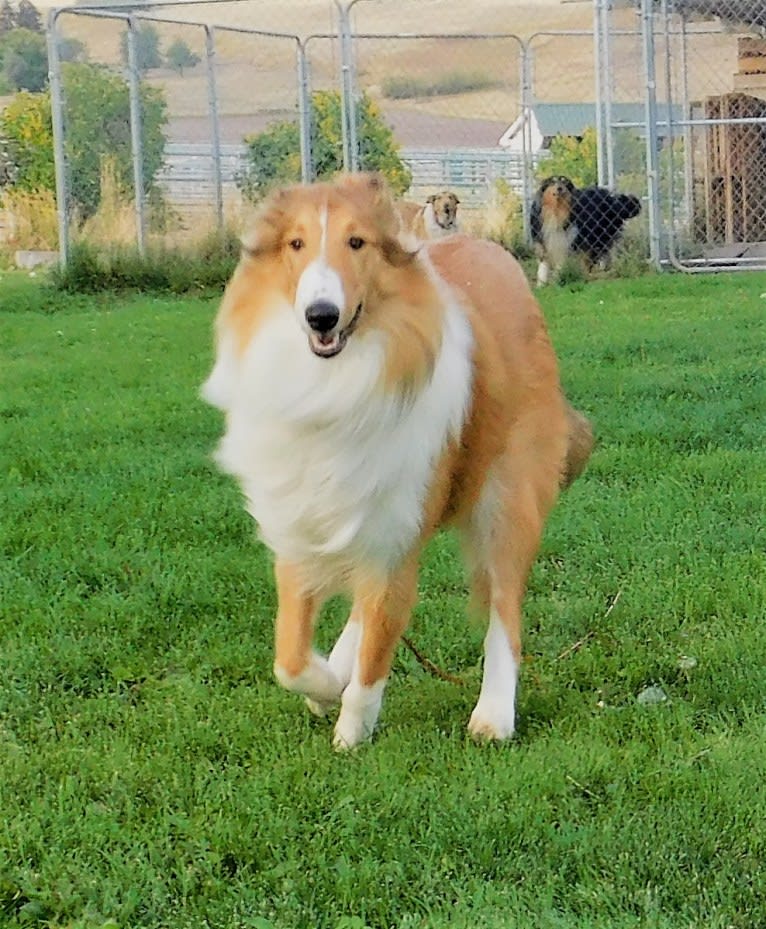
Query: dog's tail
(579, 446)
(628, 205)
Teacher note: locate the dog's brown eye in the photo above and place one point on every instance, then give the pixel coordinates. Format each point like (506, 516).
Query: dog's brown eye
(355, 242)
(296, 244)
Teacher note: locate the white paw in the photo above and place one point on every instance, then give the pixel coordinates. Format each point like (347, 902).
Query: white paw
(492, 721)
(358, 715)
(316, 708)
(316, 681)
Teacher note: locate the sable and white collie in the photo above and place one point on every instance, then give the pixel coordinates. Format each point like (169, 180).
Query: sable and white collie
(375, 391)
(586, 222)
(552, 225)
(434, 219)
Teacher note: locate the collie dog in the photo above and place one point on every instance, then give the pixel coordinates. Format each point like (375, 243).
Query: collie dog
(585, 222)
(552, 225)
(375, 390)
(434, 219)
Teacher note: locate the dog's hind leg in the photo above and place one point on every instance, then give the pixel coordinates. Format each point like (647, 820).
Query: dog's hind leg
(525, 487)
(386, 608)
(297, 666)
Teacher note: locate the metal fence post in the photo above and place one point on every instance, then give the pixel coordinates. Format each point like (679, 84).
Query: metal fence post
(598, 39)
(304, 112)
(215, 128)
(526, 137)
(606, 49)
(136, 136)
(345, 90)
(59, 150)
(688, 140)
(652, 161)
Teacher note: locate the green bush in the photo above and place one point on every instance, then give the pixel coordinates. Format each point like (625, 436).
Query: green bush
(273, 156)
(98, 123)
(404, 87)
(575, 158)
(25, 126)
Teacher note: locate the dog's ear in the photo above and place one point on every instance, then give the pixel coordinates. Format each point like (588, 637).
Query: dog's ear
(395, 253)
(432, 198)
(265, 234)
(456, 199)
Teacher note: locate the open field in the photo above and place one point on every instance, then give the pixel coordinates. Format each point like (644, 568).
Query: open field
(256, 75)
(153, 775)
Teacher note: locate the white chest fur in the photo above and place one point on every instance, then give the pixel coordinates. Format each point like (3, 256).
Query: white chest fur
(558, 241)
(335, 470)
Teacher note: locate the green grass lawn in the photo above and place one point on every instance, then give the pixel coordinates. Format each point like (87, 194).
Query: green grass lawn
(152, 773)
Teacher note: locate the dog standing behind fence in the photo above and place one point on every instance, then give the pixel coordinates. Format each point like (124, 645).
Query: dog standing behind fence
(432, 220)
(565, 221)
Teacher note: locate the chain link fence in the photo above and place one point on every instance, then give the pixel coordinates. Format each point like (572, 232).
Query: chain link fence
(173, 119)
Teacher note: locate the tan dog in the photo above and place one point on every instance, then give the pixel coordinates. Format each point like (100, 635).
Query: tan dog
(374, 393)
(432, 220)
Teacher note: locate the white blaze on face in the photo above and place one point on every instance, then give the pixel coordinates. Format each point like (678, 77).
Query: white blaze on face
(319, 280)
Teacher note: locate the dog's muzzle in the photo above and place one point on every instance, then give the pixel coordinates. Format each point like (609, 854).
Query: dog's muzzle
(325, 339)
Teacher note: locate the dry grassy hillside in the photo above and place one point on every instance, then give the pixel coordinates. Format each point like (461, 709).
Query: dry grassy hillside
(257, 82)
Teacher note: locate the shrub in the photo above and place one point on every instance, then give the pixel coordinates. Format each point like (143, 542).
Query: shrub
(25, 125)
(98, 122)
(403, 87)
(35, 221)
(576, 158)
(503, 220)
(94, 269)
(273, 156)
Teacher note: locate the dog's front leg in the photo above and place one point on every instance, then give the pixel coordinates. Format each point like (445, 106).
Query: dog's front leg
(297, 666)
(386, 607)
(342, 656)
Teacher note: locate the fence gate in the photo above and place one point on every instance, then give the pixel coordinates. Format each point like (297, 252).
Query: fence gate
(704, 66)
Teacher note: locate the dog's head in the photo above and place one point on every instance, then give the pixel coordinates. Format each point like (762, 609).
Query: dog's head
(557, 190)
(444, 206)
(327, 247)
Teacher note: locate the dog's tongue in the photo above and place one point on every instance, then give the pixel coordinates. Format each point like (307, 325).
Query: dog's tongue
(325, 344)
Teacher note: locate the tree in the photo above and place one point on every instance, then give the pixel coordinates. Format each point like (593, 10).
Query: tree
(27, 17)
(24, 58)
(7, 17)
(71, 49)
(273, 156)
(98, 124)
(147, 41)
(180, 56)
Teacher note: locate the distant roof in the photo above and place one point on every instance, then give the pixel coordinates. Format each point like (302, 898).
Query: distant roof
(574, 118)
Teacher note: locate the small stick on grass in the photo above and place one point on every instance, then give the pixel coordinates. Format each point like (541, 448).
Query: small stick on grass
(570, 650)
(429, 666)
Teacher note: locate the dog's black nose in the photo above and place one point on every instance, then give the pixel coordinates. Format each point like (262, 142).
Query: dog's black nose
(322, 315)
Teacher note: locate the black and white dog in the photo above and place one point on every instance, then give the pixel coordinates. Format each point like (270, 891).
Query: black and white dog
(565, 220)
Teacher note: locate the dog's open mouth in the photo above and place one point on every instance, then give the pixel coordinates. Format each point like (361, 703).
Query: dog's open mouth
(328, 344)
